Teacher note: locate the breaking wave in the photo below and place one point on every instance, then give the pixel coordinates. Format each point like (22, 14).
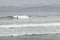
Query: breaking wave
(30, 29)
(21, 16)
(31, 25)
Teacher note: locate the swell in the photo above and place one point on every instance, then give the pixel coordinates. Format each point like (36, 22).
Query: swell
(19, 16)
(26, 16)
(6, 17)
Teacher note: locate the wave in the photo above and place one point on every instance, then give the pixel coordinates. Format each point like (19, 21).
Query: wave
(6, 16)
(26, 16)
(22, 16)
(30, 29)
(31, 25)
(17, 16)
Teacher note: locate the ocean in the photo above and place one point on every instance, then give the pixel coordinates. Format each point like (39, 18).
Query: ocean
(29, 24)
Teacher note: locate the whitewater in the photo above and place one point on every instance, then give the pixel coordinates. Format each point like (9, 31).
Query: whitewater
(27, 24)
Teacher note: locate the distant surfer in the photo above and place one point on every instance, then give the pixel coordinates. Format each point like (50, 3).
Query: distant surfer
(30, 16)
(17, 17)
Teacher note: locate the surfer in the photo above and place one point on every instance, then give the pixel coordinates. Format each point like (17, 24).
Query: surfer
(30, 16)
(17, 17)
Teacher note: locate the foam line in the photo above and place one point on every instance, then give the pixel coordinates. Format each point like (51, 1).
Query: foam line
(31, 25)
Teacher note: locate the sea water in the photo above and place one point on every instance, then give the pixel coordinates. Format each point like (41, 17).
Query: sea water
(32, 25)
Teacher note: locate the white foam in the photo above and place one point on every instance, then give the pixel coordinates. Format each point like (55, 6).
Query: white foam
(31, 25)
(22, 16)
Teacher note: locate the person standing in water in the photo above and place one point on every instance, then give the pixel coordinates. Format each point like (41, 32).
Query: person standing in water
(17, 20)
(17, 17)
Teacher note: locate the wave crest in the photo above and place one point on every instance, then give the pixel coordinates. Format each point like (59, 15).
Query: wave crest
(21, 16)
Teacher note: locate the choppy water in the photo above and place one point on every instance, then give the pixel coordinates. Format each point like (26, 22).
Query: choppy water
(9, 20)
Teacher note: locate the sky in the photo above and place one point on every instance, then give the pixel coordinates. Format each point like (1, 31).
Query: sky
(28, 3)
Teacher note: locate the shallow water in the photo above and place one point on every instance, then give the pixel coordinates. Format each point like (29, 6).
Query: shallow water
(41, 37)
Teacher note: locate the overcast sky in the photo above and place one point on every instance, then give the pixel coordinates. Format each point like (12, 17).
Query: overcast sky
(27, 3)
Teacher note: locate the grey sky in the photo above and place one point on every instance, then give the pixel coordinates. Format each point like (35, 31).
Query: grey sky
(10, 6)
(27, 3)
